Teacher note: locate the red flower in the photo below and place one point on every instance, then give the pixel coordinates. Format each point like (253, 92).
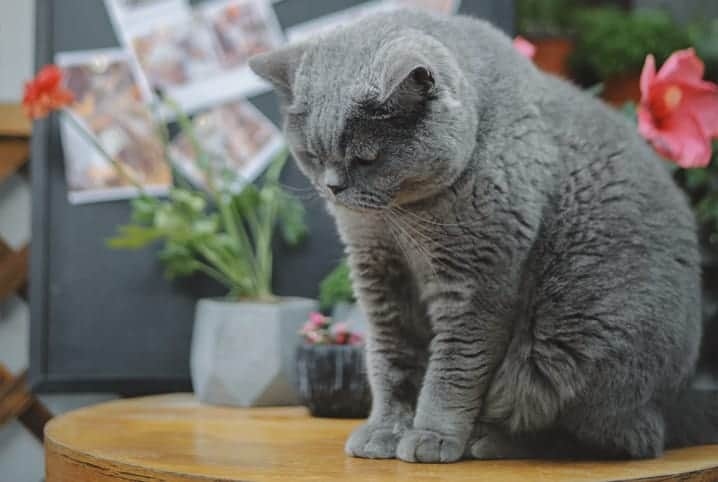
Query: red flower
(524, 47)
(678, 112)
(45, 93)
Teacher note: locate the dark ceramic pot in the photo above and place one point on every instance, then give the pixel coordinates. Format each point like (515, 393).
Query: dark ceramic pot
(332, 380)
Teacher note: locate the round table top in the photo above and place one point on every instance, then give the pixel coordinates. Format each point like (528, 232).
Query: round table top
(174, 438)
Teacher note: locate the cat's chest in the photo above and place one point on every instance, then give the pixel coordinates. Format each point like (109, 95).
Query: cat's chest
(418, 242)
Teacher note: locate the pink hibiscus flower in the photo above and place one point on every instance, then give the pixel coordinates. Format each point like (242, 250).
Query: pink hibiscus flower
(678, 113)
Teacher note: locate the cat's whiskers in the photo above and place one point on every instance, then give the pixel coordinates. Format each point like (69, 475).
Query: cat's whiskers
(429, 222)
(407, 231)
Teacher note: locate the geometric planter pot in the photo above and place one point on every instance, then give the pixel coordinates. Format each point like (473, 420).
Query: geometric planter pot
(243, 353)
(332, 380)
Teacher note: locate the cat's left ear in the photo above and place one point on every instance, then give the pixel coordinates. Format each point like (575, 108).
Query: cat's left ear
(279, 67)
(408, 81)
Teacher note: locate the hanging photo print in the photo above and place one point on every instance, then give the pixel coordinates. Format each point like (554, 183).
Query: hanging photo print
(108, 105)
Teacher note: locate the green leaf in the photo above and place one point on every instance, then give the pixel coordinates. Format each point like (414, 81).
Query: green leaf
(336, 287)
(246, 201)
(292, 225)
(275, 167)
(143, 210)
(132, 236)
(178, 259)
(696, 178)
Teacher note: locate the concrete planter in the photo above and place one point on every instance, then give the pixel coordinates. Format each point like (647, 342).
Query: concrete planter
(243, 353)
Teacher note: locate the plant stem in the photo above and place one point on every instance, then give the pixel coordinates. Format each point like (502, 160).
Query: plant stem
(92, 140)
(217, 275)
(235, 229)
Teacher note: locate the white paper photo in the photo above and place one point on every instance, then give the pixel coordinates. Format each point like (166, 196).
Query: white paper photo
(237, 140)
(199, 57)
(108, 105)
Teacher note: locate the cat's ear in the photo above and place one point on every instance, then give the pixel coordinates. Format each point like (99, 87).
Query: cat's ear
(408, 81)
(279, 66)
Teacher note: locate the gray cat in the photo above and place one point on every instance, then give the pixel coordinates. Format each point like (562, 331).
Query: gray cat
(530, 271)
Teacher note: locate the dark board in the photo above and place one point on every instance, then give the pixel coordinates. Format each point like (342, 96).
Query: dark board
(104, 320)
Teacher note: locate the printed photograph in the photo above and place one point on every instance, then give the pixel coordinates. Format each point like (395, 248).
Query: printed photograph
(441, 6)
(109, 105)
(126, 13)
(242, 28)
(237, 141)
(199, 56)
(327, 23)
(176, 54)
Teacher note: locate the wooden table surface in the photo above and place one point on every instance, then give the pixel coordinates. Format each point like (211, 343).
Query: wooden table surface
(173, 438)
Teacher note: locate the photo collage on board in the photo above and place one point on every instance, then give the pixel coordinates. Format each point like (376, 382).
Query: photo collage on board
(197, 56)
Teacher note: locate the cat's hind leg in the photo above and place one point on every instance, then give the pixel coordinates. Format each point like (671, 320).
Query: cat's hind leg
(637, 434)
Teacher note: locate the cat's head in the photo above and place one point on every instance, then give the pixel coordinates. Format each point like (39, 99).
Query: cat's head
(376, 114)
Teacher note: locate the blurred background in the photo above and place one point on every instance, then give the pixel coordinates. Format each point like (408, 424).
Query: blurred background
(78, 355)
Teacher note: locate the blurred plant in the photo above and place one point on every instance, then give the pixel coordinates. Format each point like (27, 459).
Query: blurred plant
(227, 236)
(321, 330)
(612, 42)
(704, 37)
(223, 234)
(336, 287)
(542, 18)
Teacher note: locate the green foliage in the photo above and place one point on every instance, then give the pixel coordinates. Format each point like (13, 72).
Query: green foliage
(227, 236)
(336, 287)
(544, 17)
(612, 42)
(704, 37)
(702, 188)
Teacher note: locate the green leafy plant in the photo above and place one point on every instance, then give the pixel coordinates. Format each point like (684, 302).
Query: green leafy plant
(336, 287)
(224, 234)
(613, 42)
(537, 18)
(704, 37)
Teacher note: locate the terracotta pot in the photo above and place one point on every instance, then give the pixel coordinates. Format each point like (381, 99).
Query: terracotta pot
(621, 89)
(552, 54)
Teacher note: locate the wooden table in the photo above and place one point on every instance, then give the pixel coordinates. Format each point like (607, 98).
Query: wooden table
(173, 438)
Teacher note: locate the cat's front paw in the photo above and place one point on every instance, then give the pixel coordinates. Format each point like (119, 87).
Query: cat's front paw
(429, 447)
(372, 441)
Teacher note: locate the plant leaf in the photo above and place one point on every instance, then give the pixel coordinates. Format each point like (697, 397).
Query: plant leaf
(132, 236)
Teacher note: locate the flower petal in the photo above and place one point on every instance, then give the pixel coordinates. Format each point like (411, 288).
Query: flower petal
(703, 106)
(682, 66)
(682, 140)
(648, 76)
(524, 47)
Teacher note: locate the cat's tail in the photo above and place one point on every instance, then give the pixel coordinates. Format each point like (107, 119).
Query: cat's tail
(692, 419)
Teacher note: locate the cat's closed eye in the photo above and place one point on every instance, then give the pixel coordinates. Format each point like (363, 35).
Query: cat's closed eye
(361, 161)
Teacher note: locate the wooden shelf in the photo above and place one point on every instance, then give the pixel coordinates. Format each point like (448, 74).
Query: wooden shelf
(13, 122)
(14, 153)
(173, 438)
(13, 269)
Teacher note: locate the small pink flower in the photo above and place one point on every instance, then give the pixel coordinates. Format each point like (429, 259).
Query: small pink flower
(678, 113)
(356, 339)
(314, 337)
(341, 333)
(524, 47)
(317, 320)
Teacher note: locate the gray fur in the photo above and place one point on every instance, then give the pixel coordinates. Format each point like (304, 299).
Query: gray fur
(530, 271)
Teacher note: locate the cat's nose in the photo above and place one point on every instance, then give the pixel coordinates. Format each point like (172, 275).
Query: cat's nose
(335, 180)
(337, 188)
